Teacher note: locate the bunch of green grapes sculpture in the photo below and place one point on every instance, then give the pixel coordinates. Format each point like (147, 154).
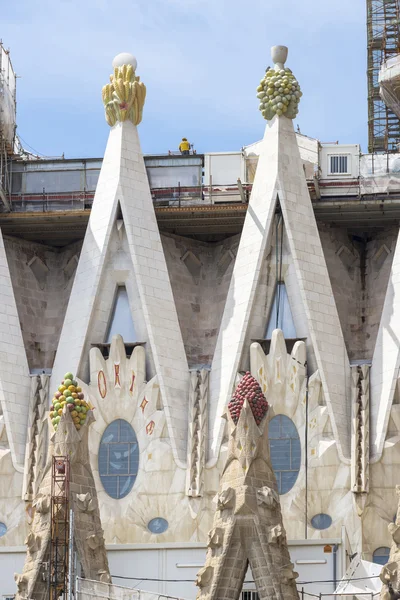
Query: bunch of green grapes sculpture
(279, 94)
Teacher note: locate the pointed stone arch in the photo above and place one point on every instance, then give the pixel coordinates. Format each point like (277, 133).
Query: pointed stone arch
(280, 177)
(123, 191)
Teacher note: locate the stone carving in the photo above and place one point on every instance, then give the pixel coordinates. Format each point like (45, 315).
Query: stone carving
(104, 576)
(390, 574)
(22, 584)
(35, 454)
(251, 531)
(124, 97)
(279, 91)
(277, 535)
(215, 537)
(85, 502)
(197, 439)
(394, 531)
(33, 542)
(226, 499)
(360, 435)
(267, 496)
(94, 541)
(204, 577)
(42, 504)
(69, 441)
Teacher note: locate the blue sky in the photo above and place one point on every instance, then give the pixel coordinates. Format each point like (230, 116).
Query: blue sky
(201, 61)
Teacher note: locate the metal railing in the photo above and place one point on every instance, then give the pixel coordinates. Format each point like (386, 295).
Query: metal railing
(87, 589)
(177, 196)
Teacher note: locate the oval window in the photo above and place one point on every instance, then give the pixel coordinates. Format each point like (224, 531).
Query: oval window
(118, 459)
(3, 529)
(321, 521)
(284, 446)
(158, 525)
(381, 555)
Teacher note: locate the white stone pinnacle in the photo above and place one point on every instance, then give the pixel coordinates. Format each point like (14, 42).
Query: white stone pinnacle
(279, 55)
(124, 58)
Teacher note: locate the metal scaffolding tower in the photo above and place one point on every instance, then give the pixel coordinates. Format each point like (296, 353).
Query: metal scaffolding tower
(60, 529)
(383, 29)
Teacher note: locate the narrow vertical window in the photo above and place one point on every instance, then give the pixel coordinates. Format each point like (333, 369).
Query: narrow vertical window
(280, 316)
(121, 321)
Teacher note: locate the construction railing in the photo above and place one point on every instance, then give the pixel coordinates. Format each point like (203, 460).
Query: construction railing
(89, 590)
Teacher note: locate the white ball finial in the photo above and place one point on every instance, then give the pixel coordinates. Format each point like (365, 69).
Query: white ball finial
(279, 55)
(125, 58)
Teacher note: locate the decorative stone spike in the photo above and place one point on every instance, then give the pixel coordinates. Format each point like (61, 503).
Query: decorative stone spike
(248, 527)
(35, 453)
(360, 435)
(197, 432)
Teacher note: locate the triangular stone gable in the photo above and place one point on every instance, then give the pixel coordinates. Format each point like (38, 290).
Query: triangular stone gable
(280, 177)
(386, 360)
(123, 190)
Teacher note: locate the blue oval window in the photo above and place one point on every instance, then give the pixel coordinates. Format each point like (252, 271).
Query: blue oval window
(3, 529)
(284, 446)
(158, 525)
(321, 521)
(381, 555)
(118, 459)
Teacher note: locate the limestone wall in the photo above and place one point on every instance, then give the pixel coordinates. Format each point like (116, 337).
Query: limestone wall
(200, 275)
(343, 259)
(42, 278)
(359, 267)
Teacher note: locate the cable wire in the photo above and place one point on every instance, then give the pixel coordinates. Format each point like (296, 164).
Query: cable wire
(192, 580)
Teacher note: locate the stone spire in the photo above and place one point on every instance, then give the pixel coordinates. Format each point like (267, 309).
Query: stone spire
(122, 247)
(65, 440)
(248, 527)
(280, 181)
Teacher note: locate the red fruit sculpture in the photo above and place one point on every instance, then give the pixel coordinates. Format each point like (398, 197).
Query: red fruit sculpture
(248, 389)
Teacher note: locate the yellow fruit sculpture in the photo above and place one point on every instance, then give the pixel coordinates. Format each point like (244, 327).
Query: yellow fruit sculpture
(124, 97)
(69, 395)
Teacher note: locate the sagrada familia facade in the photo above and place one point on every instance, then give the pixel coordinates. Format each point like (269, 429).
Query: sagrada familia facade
(262, 446)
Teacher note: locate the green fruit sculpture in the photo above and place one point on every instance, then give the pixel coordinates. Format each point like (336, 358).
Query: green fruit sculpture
(69, 396)
(279, 94)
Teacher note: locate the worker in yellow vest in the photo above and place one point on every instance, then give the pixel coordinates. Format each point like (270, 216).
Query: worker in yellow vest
(184, 146)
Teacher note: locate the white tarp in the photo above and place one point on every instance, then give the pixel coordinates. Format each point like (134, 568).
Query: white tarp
(379, 173)
(7, 97)
(361, 579)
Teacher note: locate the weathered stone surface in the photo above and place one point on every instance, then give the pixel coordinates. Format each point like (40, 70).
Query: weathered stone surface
(248, 527)
(88, 534)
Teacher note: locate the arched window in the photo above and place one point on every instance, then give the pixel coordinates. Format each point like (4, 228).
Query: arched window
(381, 555)
(284, 445)
(118, 459)
(321, 521)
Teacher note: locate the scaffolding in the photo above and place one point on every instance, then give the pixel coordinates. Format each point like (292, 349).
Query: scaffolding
(383, 34)
(60, 529)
